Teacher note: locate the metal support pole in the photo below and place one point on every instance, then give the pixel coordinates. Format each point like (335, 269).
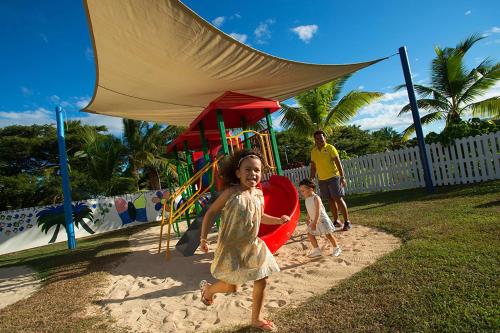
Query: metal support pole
(274, 143)
(222, 131)
(248, 144)
(63, 160)
(416, 118)
(206, 155)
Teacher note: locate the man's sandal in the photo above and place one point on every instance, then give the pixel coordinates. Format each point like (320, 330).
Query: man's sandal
(203, 286)
(266, 325)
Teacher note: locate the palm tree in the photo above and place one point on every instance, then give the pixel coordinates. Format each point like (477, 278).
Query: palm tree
(104, 156)
(321, 108)
(454, 91)
(144, 144)
(393, 137)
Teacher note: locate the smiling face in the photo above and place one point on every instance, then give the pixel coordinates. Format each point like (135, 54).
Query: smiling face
(305, 191)
(249, 172)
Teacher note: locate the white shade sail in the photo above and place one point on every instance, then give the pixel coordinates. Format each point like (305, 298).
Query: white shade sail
(158, 61)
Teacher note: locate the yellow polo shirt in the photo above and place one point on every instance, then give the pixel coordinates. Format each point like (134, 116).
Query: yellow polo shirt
(323, 159)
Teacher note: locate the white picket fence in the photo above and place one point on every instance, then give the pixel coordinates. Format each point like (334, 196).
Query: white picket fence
(467, 160)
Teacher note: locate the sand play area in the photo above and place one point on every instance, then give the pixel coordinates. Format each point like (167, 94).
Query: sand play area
(17, 283)
(146, 293)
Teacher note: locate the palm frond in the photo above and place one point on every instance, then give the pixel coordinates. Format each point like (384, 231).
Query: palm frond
(480, 85)
(297, 118)
(467, 43)
(487, 108)
(425, 120)
(349, 105)
(426, 104)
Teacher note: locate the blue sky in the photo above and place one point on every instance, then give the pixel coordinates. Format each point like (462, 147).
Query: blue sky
(47, 57)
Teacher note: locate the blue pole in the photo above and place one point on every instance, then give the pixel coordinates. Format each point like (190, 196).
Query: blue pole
(63, 160)
(416, 118)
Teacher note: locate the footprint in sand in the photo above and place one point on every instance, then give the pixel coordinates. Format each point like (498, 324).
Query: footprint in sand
(343, 262)
(276, 304)
(356, 250)
(179, 314)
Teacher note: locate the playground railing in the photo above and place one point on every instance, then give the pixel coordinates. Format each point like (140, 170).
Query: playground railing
(265, 147)
(192, 199)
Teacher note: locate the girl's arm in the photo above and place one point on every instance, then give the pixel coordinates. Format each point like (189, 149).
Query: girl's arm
(317, 203)
(268, 219)
(209, 217)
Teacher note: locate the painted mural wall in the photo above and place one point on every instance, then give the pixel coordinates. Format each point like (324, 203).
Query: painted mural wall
(37, 226)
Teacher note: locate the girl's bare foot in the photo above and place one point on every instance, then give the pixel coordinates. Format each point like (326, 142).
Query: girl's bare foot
(264, 325)
(203, 288)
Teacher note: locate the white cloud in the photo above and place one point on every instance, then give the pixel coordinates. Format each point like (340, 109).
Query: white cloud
(42, 116)
(306, 32)
(493, 30)
(495, 41)
(44, 38)
(468, 12)
(384, 112)
(262, 31)
(26, 91)
(361, 87)
(218, 21)
(82, 102)
(238, 16)
(55, 99)
(242, 38)
(75, 102)
(113, 124)
(38, 116)
(394, 96)
(89, 54)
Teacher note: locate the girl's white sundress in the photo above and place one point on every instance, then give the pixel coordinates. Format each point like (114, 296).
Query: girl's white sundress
(241, 256)
(325, 225)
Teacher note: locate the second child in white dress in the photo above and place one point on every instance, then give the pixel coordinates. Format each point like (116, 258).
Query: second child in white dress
(318, 222)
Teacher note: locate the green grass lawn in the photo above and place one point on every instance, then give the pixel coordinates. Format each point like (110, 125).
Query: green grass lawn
(444, 278)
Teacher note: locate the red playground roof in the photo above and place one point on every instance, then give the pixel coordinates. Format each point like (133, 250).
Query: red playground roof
(234, 107)
(194, 140)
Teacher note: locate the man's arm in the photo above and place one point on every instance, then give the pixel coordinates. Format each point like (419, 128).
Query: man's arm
(313, 170)
(338, 164)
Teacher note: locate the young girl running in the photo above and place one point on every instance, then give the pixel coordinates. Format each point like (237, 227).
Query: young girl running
(240, 255)
(318, 221)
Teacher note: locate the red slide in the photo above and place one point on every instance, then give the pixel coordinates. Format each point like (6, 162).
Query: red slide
(281, 198)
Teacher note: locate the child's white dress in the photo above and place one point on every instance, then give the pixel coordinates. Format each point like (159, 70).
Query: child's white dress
(325, 225)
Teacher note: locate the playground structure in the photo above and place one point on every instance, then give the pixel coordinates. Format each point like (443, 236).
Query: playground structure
(174, 63)
(232, 111)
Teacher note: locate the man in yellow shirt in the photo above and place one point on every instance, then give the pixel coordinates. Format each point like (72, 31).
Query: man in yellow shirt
(325, 162)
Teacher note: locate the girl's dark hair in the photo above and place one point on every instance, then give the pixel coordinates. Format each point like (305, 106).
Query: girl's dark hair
(231, 163)
(307, 182)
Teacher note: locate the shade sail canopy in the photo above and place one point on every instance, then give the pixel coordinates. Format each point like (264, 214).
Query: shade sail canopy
(159, 61)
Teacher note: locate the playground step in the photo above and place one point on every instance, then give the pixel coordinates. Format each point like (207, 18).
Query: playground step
(190, 241)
